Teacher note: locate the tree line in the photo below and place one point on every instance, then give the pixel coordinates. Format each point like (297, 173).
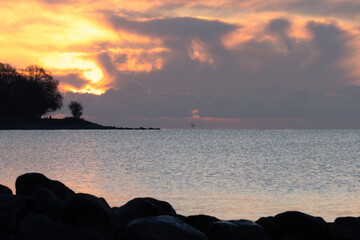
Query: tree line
(30, 93)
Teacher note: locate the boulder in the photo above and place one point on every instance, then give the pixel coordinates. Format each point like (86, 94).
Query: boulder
(45, 202)
(90, 212)
(5, 236)
(236, 229)
(200, 222)
(12, 208)
(140, 208)
(161, 228)
(4, 190)
(40, 227)
(296, 225)
(28, 183)
(346, 228)
(268, 224)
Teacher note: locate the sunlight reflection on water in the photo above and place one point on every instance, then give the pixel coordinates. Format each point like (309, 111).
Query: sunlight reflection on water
(229, 174)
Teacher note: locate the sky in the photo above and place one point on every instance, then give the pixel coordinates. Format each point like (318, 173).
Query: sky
(223, 64)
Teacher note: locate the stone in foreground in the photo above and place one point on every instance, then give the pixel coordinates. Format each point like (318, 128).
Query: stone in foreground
(28, 183)
(161, 228)
(4, 190)
(235, 230)
(296, 225)
(141, 208)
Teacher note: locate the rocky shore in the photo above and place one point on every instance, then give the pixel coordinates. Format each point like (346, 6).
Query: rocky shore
(46, 209)
(59, 124)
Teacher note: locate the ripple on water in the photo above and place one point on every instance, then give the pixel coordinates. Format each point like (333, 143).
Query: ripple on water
(230, 174)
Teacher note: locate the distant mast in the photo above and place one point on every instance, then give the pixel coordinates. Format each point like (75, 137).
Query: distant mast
(195, 115)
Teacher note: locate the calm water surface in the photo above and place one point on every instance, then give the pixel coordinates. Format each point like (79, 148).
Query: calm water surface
(230, 174)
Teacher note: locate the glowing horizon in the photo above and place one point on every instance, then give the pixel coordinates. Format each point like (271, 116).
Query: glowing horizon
(209, 49)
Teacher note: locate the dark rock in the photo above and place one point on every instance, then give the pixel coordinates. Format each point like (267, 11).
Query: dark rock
(200, 222)
(40, 227)
(236, 229)
(12, 208)
(45, 202)
(295, 225)
(88, 211)
(105, 204)
(345, 228)
(28, 183)
(268, 224)
(161, 228)
(5, 236)
(140, 208)
(4, 190)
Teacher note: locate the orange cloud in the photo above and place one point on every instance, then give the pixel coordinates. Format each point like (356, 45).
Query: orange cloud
(198, 50)
(138, 60)
(67, 36)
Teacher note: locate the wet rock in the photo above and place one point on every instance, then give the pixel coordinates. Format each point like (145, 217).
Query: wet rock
(4, 190)
(161, 228)
(12, 208)
(28, 183)
(296, 225)
(45, 202)
(140, 208)
(40, 227)
(200, 222)
(345, 228)
(236, 229)
(88, 211)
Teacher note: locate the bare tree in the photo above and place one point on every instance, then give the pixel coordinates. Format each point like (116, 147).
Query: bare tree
(76, 109)
(28, 93)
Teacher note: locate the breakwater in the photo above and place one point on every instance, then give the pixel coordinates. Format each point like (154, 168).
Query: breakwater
(47, 209)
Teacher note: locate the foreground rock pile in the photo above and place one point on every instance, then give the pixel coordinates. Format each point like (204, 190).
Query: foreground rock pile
(46, 209)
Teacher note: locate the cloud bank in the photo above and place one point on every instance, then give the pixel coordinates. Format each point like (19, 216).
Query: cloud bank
(239, 64)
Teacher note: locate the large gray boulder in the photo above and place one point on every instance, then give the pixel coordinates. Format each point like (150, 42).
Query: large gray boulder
(28, 183)
(161, 228)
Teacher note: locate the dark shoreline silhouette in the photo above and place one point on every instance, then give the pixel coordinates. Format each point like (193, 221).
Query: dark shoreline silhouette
(59, 124)
(47, 209)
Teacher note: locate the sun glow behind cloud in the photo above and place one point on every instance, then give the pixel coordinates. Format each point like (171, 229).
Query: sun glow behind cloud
(67, 36)
(205, 48)
(33, 33)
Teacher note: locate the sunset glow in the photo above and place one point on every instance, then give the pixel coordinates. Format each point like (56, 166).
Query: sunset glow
(214, 51)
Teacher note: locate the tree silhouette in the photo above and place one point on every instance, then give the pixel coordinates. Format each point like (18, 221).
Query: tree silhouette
(28, 93)
(76, 109)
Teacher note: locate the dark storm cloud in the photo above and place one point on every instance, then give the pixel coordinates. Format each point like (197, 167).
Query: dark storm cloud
(257, 64)
(72, 79)
(343, 9)
(279, 25)
(260, 78)
(134, 101)
(182, 27)
(324, 7)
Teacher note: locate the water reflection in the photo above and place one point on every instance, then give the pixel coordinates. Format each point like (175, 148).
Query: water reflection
(228, 174)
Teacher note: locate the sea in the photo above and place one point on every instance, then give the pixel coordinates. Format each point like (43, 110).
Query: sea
(229, 174)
